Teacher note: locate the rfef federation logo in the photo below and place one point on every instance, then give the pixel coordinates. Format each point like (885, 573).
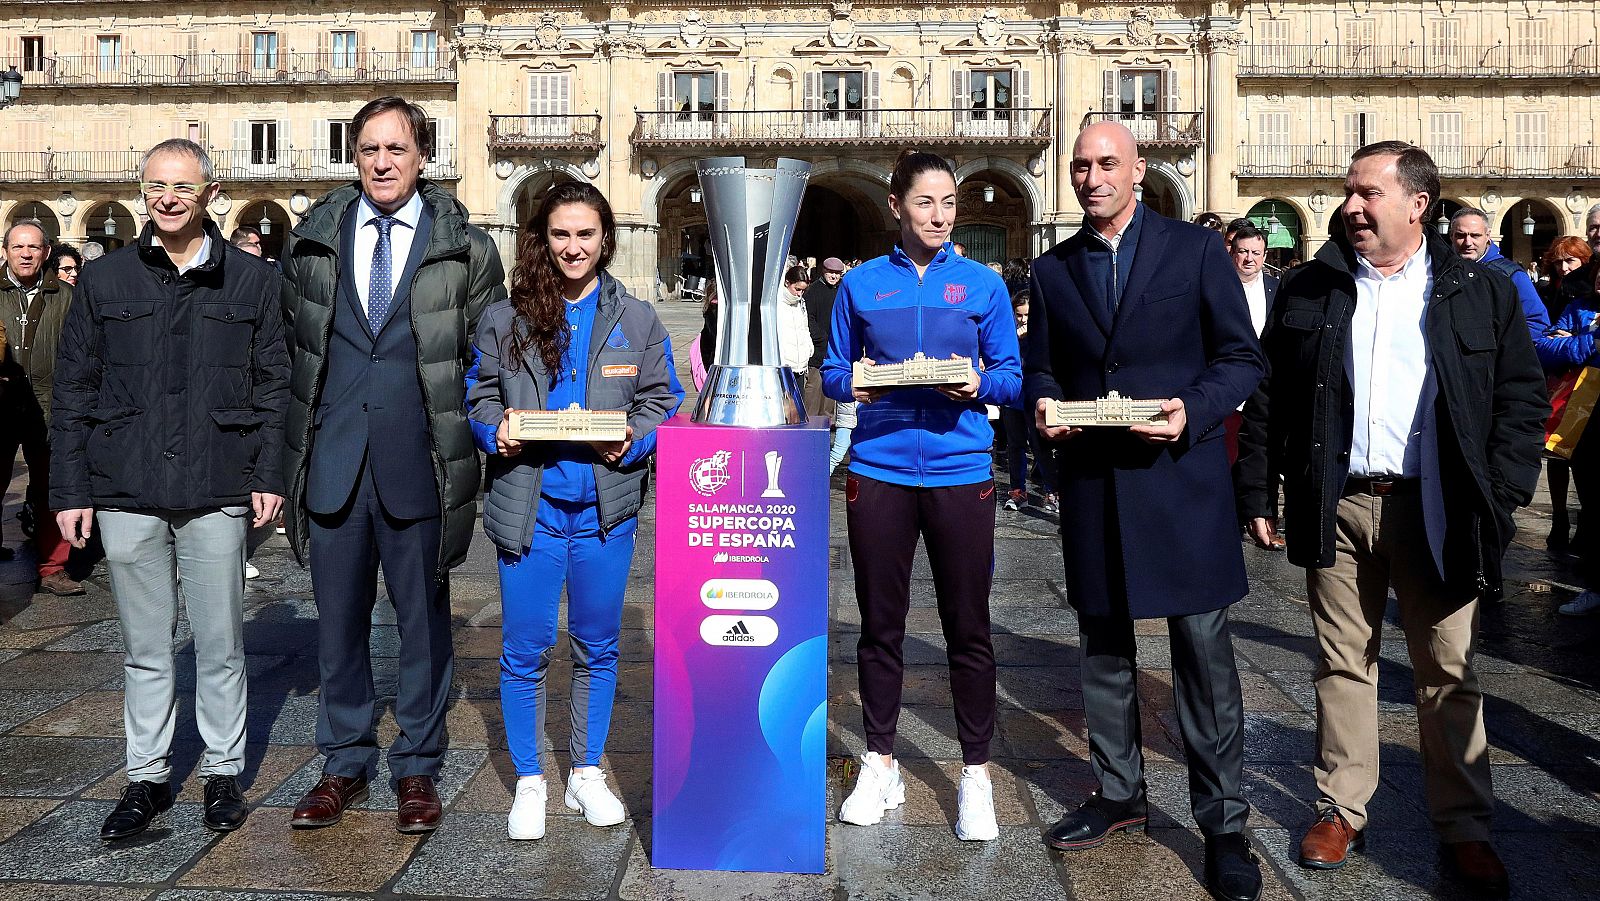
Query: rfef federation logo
(709, 475)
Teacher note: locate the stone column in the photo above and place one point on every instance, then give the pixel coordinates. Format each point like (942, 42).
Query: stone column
(1220, 42)
(477, 58)
(636, 259)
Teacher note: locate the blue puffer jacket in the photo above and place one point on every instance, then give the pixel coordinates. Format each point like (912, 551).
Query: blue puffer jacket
(885, 313)
(1580, 320)
(1532, 304)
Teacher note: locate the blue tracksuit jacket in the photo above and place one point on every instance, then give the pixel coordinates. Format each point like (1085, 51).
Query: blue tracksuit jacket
(884, 312)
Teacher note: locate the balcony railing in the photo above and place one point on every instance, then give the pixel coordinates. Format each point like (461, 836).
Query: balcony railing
(88, 166)
(1496, 161)
(162, 69)
(545, 132)
(1159, 129)
(1419, 61)
(879, 127)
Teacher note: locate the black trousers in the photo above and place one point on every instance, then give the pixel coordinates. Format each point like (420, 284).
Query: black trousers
(1205, 687)
(1586, 542)
(347, 548)
(957, 522)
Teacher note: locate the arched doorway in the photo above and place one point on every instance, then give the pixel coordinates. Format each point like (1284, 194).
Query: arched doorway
(111, 225)
(1280, 222)
(532, 194)
(993, 213)
(1527, 230)
(842, 218)
(271, 220)
(37, 209)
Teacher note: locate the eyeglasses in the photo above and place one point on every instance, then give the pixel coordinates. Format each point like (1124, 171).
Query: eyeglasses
(67, 270)
(180, 191)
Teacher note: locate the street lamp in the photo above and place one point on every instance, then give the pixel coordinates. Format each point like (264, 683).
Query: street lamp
(1273, 224)
(1442, 223)
(694, 195)
(1528, 223)
(265, 225)
(109, 226)
(10, 87)
(988, 193)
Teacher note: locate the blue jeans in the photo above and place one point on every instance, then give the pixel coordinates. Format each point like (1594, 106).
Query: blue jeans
(569, 550)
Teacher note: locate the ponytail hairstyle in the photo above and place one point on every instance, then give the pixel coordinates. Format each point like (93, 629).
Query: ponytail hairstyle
(911, 165)
(541, 322)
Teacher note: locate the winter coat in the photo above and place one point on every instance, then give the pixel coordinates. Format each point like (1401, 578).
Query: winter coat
(794, 335)
(460, 275)
(27, 376)
(630, 368)
(170, 389)
(1489, 413)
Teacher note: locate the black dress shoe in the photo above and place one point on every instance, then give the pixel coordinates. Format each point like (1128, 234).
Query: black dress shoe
(1232, 873)
(141, 802)
(1091, 824)
(225, 810)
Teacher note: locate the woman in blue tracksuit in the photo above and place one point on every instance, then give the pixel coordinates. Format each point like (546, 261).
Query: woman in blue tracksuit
(920, 466)
(1571, 343)
(565, 513)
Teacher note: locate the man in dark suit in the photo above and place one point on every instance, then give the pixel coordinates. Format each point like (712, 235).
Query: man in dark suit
(1151, 308)
(383, 285)
(1248, 250)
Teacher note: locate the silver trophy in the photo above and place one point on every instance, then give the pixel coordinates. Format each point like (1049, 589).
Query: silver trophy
(750, 214)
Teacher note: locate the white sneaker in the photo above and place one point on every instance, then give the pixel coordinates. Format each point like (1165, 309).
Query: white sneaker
(975, 801)
(1582, 605)
(879, 789)
(587, 793)
(526, 822)
(250, 571)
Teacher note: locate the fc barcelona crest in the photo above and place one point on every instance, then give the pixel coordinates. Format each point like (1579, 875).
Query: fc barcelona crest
(955, 293)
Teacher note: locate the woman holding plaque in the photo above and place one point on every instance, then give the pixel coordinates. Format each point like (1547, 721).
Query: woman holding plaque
(919, 466)
(564, 513)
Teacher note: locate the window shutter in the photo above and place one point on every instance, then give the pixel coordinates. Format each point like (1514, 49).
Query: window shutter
(1108, 96)
(874, 90)
(562, 100)
(961, 89)
(241, 135)
(813, 90)
(664, 91)
(1169, 90)
(723, 97)
(361, 50)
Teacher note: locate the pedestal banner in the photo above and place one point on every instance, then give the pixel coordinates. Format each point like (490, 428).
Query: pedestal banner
(741, 647)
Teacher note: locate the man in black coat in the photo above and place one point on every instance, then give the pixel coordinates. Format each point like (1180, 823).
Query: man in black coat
(819, 316)
(167, 431)
(1404, 412)
(1151, 308)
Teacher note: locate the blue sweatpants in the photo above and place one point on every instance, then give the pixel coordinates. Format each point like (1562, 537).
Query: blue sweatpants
(569, 550)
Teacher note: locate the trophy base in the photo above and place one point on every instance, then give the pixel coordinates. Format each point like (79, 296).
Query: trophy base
(750, 397)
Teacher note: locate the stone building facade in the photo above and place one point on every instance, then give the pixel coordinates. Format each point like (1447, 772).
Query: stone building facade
(1242, 108)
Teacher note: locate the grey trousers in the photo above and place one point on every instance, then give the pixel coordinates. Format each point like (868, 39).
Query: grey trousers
(1210, 708)
(147, 553)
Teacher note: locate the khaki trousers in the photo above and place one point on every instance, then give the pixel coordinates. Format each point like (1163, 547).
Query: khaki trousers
(1382, 544)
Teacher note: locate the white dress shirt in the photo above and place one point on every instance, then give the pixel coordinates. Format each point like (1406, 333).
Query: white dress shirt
(200, 256)
(1389, 369)
(400, 235)
(1256, 293)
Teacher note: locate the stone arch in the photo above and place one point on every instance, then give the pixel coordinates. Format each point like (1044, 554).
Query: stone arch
(511, 191)
(1177, 184)
(1015, 172)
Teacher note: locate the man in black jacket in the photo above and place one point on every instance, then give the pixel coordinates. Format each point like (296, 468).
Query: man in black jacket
(1404, 409)
(170, 392)
(819, 316)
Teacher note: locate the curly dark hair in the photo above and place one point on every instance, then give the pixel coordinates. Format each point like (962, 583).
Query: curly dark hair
(541, 320)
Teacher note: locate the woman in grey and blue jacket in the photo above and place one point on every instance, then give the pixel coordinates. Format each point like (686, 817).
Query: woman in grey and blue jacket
(565, 513)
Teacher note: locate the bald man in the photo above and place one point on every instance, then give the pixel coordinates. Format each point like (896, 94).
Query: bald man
(1148, 307)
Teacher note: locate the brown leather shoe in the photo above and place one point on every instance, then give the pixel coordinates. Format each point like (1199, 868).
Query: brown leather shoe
(1329, 843)
(419, 805)
(60, 584)
(1478, 867)
(325, 803)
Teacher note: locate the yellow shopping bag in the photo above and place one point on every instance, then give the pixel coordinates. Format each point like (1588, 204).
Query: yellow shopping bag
(1570, 411)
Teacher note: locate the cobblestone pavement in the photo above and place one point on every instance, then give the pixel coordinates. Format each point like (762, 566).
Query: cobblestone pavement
(61, 752)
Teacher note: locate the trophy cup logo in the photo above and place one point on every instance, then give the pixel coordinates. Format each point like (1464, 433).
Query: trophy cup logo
(774, 463)
(751, 215)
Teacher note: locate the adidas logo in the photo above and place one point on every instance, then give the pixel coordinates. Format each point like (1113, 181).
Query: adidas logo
(739, 632)
(742, 631)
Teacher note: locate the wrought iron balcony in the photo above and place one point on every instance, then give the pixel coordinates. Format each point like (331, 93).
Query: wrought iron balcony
(92, 166)
(727, 129)
(1158, 129)
(1419, 61)
(1496, 161)
(136, 70)
(547, 132)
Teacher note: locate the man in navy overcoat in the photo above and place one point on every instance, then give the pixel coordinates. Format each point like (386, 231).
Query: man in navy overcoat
(1151, 308)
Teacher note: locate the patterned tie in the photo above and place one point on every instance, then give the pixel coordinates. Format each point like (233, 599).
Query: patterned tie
(380, 290)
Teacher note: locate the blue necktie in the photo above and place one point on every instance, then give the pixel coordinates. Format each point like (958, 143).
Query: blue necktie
(380, 290)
